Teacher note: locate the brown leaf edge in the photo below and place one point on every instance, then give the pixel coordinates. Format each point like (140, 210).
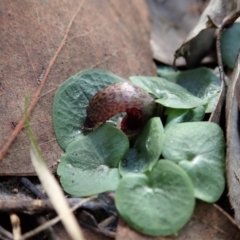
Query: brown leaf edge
(228, 95)
(216, 114)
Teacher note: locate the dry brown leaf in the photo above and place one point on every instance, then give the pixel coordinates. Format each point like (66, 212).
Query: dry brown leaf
(208, 223)
(201, 39)
(233, 140)
(171, 21)
(113, 35)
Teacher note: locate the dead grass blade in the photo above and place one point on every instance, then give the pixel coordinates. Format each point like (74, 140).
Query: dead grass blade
(51, 186)
(56, 195)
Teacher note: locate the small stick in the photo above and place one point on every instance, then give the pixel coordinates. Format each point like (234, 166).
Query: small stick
(5, 234)
(15, 221)
(107, 221)
(43, 205)
(226, 215)
(49, 232)
(101, 231)
(31, 187)
(53, 221)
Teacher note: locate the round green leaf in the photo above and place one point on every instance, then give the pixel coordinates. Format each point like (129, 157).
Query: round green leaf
(201, 82)
(230, 44)
(159, 203)
(167, 93)
(147, 148)
(71, 100)
(184, 115)
(199, 148)
(90, 164)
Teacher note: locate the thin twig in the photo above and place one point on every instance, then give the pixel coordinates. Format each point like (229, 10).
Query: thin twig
(15, 221)
(101, 231)
(20, 125)
(45, 205)
(49, 231)
(226, 215)
(53, 221)
(107, 221)
(86, 216)
(5, 234)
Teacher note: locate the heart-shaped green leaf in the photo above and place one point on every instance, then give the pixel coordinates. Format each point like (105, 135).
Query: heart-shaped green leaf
(147, 148)
(90, 164)
(199, 148)
(230, 44)
(201, 82)
(167, 93)
(71, 100)
(159, 203)
(184, 115)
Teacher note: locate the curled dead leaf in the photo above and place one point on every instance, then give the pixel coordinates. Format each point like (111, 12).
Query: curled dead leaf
(171, 22)
(200, 40)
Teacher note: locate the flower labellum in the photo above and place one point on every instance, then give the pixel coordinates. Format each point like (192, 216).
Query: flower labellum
(117, 98)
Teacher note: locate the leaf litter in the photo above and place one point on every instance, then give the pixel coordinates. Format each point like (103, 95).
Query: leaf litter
(218, 231)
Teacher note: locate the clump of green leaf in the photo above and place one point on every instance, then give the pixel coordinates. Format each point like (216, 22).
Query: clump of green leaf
(157, 176)
(201, 82)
